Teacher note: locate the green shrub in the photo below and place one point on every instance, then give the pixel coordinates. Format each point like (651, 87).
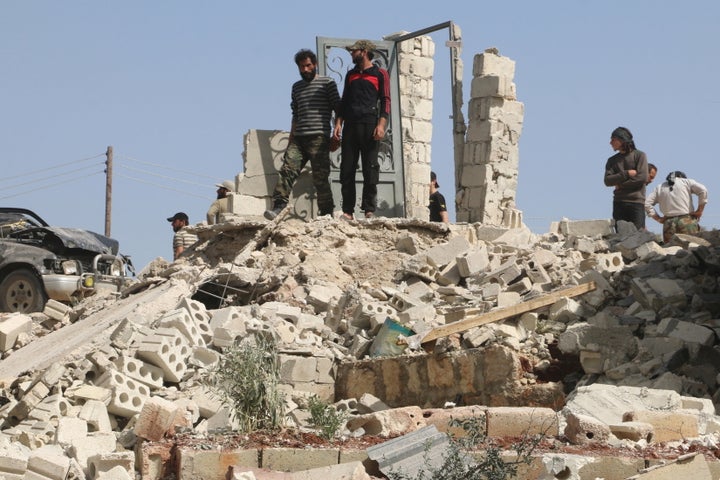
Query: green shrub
(326, 418)
(474, 456)
(246, 381)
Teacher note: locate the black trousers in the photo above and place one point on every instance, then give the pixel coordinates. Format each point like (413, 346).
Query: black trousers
(630, 212)
(357, 143)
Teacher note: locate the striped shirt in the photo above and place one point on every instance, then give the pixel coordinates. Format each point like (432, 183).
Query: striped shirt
(313, 104)
(183, 238)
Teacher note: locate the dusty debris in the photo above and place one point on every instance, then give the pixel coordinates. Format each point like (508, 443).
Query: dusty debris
(640, 317)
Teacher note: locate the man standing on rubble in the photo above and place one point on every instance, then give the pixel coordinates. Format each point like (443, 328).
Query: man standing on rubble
(220, 205)
(438, 210)
(363, 120)
(182, 238)
(674, 196)
(627, 172)
(314, 100)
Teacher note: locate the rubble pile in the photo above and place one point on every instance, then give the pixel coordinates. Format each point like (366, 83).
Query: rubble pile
(631, 362)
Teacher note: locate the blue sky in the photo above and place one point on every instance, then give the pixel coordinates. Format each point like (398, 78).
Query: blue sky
(174, 85)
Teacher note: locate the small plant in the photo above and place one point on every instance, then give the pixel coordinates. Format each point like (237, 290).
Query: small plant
(325, 418)
(474, 456)
(246, 381)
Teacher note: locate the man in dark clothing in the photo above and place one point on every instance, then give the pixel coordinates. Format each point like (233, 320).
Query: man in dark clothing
(627, 172)
(363, 119)
(314, 100)
(438, 210)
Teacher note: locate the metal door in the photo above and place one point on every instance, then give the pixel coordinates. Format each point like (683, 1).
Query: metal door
(334, 61)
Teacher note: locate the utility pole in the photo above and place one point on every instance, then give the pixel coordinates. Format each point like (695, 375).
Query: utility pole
(108, 189)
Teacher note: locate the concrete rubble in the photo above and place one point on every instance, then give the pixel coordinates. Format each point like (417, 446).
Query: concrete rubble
(100, 390)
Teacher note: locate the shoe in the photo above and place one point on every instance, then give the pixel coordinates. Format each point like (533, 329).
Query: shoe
(272, 214)
(347, 217)
(369, 214)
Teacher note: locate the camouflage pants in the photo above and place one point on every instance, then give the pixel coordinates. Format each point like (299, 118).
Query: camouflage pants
(300, 150)
(680, 224)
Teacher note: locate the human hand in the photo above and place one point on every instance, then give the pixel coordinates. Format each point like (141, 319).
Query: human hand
(379, 133)
(632, 173)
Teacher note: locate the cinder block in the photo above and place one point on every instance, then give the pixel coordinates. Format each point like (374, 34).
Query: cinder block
(686, 331)
(667, 426)
(128, 395)
(29, 401)
(294, 460)
(104, 462)
(583, 429)
(212, 463)
(57, 311)
(94, 443)
(50, 408)
(518, 421)
(321, 296)
(34, 434)
(84, 392)
(10, 327)
(634, 431)
(144, 373)
(168, 353)
(48, 462)
(473, 262)
(366, 310)
(389, 423)
(95, 413)
(69, 429)
(156, 418)
(181, 320)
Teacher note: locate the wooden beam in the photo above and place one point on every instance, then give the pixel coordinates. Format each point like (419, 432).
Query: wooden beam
(507, 312)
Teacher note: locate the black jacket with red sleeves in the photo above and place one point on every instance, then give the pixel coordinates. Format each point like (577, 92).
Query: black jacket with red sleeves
(366, 95)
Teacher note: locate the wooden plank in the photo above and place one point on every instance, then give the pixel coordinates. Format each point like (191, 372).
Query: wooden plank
(507, 312)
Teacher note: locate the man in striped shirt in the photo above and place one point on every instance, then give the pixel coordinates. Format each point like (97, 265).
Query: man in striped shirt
(314, 100)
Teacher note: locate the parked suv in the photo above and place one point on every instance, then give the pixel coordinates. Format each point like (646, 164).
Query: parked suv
(39, 262)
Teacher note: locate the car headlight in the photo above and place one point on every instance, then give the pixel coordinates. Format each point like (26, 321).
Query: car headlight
(116, 269)
(71, 267)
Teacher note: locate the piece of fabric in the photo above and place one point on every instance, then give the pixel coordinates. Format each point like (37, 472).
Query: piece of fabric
(218, 207)
(183, 238)
(312, 104)
(676, 199)
(366, 95)
(436, 206)
(682, 224)
(357, 143)
(300, 150)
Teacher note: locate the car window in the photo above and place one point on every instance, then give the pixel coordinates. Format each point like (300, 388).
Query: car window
(12, 223)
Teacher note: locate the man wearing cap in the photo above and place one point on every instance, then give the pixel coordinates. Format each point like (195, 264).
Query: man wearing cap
(627, 173)
(438, 210)
(182, 237)
(221, 205)
(314, 99)
(364, 114)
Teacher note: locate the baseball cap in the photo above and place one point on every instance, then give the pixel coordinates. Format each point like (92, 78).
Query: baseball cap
(361, 45)
(227, 185)
(179, 216)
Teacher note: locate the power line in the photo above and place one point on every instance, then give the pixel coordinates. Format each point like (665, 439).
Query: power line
(43, 170)
(49, 186)
(161, 176)
(194, 174)
(163, 186)
(29, 182)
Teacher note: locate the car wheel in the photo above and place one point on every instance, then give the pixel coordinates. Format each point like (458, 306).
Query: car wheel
(21, 291)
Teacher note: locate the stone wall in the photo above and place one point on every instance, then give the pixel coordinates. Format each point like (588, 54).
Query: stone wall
(492, 376)
(416, 66)
(489, 170)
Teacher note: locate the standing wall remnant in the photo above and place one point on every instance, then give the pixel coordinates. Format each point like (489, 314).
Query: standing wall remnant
(415, 68)
(488, 173)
